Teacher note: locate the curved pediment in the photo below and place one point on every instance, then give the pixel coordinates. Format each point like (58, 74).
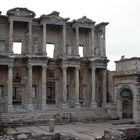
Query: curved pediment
(22, 12)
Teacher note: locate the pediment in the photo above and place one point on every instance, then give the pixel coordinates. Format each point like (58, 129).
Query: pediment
(22, 12)
(84, 19)
(53, 17)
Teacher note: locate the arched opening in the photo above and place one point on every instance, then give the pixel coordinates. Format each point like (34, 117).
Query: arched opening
(126, 109)
(127, 103)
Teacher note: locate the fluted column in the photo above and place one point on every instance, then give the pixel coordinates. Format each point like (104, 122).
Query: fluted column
(44, 105)
(30, 105)
(30, 37)
(10, 87)
(93, 86)
(104, 88)
(44, 38)
(64, 39)
(64, 85)
(77, 86)
(77, 39)
(92, 41)
(11, 36)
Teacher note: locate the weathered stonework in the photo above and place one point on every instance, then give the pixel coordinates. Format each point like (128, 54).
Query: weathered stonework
(32, 80)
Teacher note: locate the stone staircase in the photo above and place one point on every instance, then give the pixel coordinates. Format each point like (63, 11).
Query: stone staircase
(61, 116)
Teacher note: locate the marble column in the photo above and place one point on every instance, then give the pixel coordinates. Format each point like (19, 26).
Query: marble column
(44, 105)
(44, 49)
(93, 84)
(102, 44)
(30, 37)
(10, 88)
(30, 105)
(64, 39)
(104, 88)
(11, 36)
(92, 41)
(77, 86)
(64, 85)
(77, 39)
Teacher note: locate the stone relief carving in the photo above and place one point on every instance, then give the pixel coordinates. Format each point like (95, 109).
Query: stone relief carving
(24, 12)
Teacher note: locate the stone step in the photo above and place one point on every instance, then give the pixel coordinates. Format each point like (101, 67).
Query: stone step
(28, 118)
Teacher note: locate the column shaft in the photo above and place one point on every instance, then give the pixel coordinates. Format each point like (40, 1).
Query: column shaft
(64, 85)
(104, 88)
(30, 37)
(92, 41)
(30, 106)
(77, 39)
(77, 86)
(11, 36)
(64, 39)
(44, 38)
(44, 87)
(93, 83)
(10, 88)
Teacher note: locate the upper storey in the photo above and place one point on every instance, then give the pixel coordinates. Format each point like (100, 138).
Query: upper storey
(37, 36)
(128, 64)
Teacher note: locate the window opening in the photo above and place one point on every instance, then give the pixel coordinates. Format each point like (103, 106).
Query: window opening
(17, 46)
(81, 51)
(50, 50)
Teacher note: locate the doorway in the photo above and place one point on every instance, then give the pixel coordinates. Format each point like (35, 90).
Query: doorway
(127, 103)
(17, 95)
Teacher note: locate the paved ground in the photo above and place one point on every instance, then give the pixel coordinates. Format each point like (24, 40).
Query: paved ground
(84, 131)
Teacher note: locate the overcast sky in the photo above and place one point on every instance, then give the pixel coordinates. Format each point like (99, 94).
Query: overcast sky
(122, 33)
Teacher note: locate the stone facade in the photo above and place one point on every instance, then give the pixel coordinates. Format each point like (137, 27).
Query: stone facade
(32, 80)
(124, 84)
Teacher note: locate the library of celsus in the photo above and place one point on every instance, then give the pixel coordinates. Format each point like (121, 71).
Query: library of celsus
(73, 76)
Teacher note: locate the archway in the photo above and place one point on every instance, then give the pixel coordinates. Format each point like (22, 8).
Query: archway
(127, 103)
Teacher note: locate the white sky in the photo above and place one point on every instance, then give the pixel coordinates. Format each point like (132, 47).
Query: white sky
(122, 34)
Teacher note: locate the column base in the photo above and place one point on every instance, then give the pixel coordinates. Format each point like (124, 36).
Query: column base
(44, 107)
(104, 104)
(64, 106)
(30, 107)
(10, 108)
(77, 105)
(93, 105)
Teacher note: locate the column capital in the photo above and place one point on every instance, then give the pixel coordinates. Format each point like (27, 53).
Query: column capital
(29, 66)
(10, 65)
(64, 67)
(77, 68)
(44, 66)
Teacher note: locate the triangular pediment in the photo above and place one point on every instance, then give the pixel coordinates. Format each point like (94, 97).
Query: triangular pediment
(54, 17)
(84, 19)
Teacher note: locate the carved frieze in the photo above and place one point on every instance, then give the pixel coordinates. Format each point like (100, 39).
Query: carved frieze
(22, 12)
